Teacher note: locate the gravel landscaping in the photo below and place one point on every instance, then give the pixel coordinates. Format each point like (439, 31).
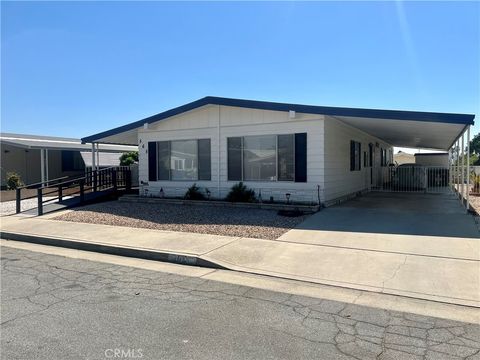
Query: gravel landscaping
(9, 207)
(254, 223)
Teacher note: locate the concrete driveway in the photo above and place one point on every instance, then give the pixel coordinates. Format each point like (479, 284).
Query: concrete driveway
(396, 213)
(429, 240)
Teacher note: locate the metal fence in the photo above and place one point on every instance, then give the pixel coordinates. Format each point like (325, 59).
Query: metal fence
(414, 178)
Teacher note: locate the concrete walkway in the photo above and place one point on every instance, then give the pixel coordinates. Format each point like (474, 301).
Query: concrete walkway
(450, 273)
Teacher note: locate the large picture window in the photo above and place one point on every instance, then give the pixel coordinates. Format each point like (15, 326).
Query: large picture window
(267, 158)
(259, 158)
(183, 160)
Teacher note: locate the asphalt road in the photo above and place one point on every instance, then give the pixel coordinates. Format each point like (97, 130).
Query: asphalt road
(55, 307)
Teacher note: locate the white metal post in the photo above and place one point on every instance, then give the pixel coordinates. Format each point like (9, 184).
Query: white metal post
(98, 156)
(450, 168)
(46, 166)
(463, 166)
(42, 165)
(457, 181)
(468, 168)
(93, 156)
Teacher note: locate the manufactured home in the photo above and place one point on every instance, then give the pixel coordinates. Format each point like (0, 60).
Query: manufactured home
(312, 153)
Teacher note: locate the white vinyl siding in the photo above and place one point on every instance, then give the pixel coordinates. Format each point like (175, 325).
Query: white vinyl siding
(340, 182)
(221, 122)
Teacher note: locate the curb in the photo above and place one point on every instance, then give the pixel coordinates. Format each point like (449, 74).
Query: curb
(181, 259)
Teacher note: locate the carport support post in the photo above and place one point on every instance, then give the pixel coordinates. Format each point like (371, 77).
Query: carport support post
(98, 156)
(42, 164)
(457, 167)
(468, 168)
(450, 168)
(93, 156)
(463, 167)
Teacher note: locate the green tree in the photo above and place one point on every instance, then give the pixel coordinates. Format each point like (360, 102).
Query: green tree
(475, 144)
(129, 158)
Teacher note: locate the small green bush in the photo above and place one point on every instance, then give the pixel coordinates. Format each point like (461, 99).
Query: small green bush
(129, 158)
(240, 193)
(13, 180)
(194, 193)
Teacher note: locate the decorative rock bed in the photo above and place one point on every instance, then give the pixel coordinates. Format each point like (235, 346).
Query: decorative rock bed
(161, 215)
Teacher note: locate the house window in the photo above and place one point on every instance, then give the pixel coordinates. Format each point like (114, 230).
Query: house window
(259, 158)
(286, 157)
(267, 158)
(72, 161)
(355, 155)
(182, 159)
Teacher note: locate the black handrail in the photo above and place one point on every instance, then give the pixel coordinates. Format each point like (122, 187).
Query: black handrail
(42, 182)
(113, 177)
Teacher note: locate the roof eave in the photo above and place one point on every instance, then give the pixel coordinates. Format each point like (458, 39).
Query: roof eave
(466, 119)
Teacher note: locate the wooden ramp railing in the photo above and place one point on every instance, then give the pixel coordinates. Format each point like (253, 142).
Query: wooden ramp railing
(94, 182)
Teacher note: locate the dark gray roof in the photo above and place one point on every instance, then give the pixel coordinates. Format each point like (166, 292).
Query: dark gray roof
(464, 119)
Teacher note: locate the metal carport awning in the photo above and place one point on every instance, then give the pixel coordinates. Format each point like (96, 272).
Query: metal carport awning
(409, 133)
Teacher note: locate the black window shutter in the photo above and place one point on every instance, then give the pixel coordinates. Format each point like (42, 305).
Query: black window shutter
(152, 161)
(301, 157)
(352, 155)
(204, 161)
(359, 156)
(234, 156)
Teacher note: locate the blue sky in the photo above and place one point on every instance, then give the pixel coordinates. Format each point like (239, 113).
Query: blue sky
(77, 68)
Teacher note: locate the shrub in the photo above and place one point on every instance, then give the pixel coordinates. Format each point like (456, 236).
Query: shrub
(194, 193)
(129, 158)
(13, 180)
(240, 193)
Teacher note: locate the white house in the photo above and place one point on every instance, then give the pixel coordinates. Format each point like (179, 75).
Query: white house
(277, 148)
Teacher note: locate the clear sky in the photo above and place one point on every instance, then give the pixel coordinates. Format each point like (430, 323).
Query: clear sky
(77, 68)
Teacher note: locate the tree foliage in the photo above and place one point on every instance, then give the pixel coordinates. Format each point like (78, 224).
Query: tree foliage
(475, 144)
(129, 158)
(13, 180)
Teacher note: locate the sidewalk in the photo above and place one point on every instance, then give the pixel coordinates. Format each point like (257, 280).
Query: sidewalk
(409, 271)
